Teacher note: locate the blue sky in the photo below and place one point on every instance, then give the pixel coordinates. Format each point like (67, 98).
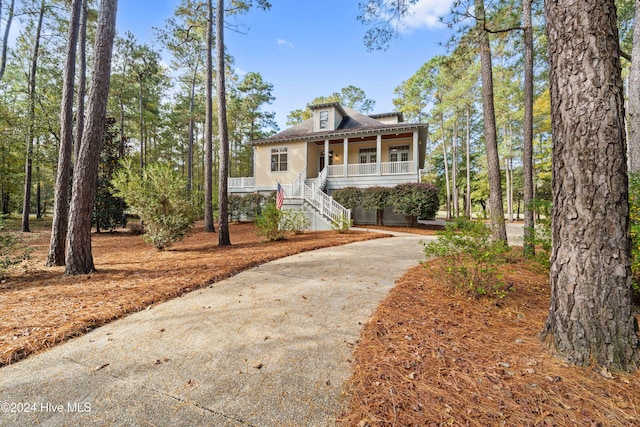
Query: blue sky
(311, 48)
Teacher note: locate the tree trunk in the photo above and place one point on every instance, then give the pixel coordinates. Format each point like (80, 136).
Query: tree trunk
(527, 124)
(634, 97)
(79, 259)
(28, 169)
(38, 193)
(61, 200)
(493, 163)
(191, 125)
(446, 168)
(454, 167)
(591, 318)
(223, 134)
(143, 149)
(208, 125)
(508, 175)
(82, 79)
(468, 150)
(5, 39)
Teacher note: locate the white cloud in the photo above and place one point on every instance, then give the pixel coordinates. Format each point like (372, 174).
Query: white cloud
(425, 14)
(239, 71)
(285, 43)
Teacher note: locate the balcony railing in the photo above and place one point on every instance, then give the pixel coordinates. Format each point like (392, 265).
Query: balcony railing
(369, 169)
(247, 182)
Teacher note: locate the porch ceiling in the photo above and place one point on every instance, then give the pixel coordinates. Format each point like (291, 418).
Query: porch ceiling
(368, 138)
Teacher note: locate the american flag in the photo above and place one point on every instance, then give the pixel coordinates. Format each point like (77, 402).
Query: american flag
(279, 196)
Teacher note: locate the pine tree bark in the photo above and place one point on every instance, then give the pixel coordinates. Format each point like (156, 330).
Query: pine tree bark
(208, 128)
(496, 207)
(454, 167)
(527, 124)
(61, 200)
(468, 152)
(28, 168)
(634, 97)
(82, 79)
(591, 320)
(192, 96)
(79, 259)
(223, 134)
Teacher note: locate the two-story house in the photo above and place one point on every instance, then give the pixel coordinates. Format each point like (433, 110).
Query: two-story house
(336, 148)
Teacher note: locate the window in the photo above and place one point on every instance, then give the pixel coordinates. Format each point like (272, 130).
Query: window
(399, 153)
(278, 159)
(368, 155)
(324, 120)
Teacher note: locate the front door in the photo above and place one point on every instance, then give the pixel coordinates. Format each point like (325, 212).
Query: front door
(368, 155)
(322, 165)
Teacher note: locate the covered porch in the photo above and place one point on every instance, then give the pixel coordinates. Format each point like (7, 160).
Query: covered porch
(366, 156)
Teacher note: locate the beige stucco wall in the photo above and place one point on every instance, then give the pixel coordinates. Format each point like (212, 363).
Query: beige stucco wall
(391, 120)
(296, 162)
(354, 149)
(335, 118)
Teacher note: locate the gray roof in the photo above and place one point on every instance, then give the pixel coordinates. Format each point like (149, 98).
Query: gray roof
(353, 123)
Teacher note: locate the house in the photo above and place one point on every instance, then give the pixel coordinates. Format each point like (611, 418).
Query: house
(336, 148)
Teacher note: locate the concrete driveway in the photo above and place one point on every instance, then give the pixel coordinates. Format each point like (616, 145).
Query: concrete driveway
(268, 347)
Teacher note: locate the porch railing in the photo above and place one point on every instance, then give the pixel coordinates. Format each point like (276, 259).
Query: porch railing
(370, 169)
(313, 195)
(246, 182)
(396, 168)
(328, 207)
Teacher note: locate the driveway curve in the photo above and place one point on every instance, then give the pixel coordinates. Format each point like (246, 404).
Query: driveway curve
(267, 347)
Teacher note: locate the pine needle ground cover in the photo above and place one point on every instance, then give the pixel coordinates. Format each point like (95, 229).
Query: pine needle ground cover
(432, 356)
(41, 308)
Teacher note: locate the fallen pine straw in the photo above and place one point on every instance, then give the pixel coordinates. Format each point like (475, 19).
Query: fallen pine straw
(431, 357)
(41, 308)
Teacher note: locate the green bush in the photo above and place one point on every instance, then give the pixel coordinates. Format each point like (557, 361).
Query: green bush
(294, 220)
(376, 199)
(251, 205)
(349, 197)
(13, 249)
(416, 200)
(541, 236)
(160, 199)
(235, 207)
(268, 222)
(471, 258)
(342, 225)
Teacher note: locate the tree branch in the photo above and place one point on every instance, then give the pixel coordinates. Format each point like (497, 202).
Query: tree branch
(624, 54)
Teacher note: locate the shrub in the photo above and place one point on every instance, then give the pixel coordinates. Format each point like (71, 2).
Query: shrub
(13, 249)
(160, 199)
(415, 201)
(541, 236)
(349, 197)
(235, 207)
(376, 199)
(470, 257)
(268, 222)
(251, 205)
(342, 225)
(293, 220)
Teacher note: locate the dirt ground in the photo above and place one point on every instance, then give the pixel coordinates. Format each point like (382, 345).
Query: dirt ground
(41, 308)
(432, 357)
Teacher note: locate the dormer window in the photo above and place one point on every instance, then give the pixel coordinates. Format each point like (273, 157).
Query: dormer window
(324, 119)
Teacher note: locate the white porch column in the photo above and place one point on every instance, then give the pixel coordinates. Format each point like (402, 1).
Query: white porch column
(379, 154)
(345, 156)
(326, 154)
(416, 155)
